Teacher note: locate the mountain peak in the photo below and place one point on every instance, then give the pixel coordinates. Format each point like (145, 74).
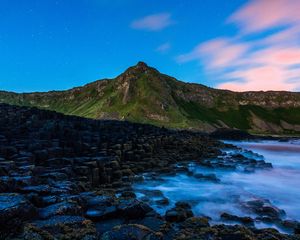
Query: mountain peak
(142, 66)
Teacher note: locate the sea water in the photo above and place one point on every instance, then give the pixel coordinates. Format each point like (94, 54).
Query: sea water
(280, 184)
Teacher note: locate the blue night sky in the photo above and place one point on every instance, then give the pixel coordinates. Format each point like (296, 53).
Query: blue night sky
(59, 44)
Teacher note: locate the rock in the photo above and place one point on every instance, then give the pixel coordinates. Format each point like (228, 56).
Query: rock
(128, 194)
(107, 225)
(264, 209)
(196, 222)
(183, 205)
(154, 223)
(62, 208)
(100, 200)
(289, 224)
(100, 213)
(8, 151)
(131, 231)
(14, 210)
(248, 221)
(179, 213)
(134, 209)
(230, 134)
(41, 155)
(297, 230)
(62, 227)
(39, 189)
(163, 201)
(7, 184)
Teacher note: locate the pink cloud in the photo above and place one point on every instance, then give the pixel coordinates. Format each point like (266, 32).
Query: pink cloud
(153, 22)
(275, 56)
(259, 78)
(259, 15)
(218, 53)
(286, 36)
(269, 62)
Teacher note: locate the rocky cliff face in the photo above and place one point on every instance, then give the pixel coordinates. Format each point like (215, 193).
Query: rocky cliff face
(143, 94)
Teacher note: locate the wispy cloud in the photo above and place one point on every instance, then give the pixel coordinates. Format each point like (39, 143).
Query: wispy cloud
(163, 48)
(260, 15)
(269, 62)
(218, 53)
(153, 22)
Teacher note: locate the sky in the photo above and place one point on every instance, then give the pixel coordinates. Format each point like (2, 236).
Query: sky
(237, 45)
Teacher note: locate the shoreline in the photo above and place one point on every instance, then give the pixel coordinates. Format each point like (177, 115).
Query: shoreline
(61, 176)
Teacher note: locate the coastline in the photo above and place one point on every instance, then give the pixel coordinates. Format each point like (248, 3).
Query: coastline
(70, 177)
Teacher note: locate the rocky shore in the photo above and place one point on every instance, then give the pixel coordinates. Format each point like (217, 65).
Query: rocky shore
(65, 177)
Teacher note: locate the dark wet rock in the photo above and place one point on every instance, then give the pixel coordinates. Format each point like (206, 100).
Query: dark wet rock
(229, 232)
(128, 194)
(272, 212)
(45, 201)
(248, 221)
(264, 210)
(62, 208)
(291, 225)
(8, 151)
(102, 213)
(7, 184)
(195, 222)
(183, 205)
(154, 223)
(179, 213)
(39, 189)
(297, 230)
(57, 220)
(164, 201)
(133, 209)
(131, 231)
(61, 227)
(108, 225)
(231, 134)
(100, 200)
(14, 210)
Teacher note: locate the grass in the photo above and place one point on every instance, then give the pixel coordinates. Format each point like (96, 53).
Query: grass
(147, 93)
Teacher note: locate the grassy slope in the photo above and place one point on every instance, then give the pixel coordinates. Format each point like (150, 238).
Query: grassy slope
(153, 94)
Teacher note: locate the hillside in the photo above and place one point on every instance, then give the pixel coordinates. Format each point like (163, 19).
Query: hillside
(143, 94)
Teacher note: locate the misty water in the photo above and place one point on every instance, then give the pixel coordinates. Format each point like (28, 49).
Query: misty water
(280, 184)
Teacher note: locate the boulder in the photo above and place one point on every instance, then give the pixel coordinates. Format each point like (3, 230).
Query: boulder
(248, 221)
(179, 213)
(133, 209)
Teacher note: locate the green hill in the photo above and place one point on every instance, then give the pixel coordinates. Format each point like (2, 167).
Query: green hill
(143, 94)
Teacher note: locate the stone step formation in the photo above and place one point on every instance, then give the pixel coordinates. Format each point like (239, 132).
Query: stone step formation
(65, 177)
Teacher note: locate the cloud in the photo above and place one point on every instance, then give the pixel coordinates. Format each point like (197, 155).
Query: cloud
(270, 61)
(153, 22)
(259, 15)
(258, 78)
(163, 48)
(218, 53)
